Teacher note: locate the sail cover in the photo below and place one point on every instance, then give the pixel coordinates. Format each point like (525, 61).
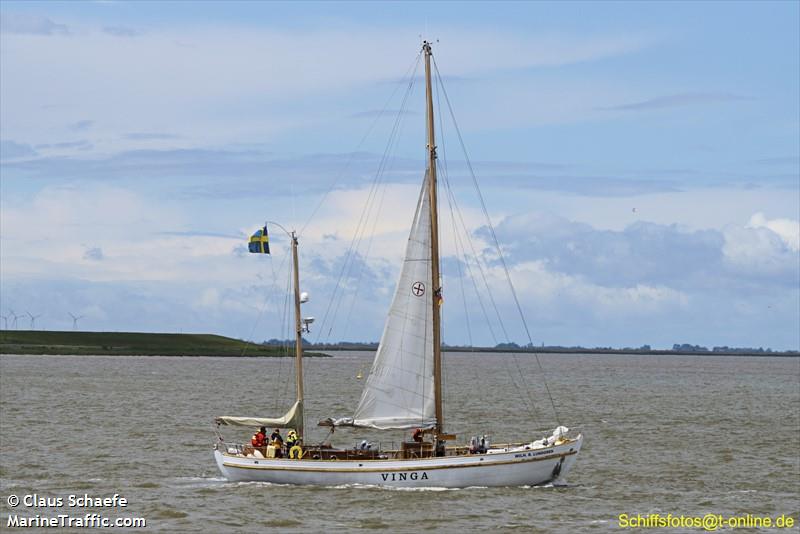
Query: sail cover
(398, 393)
(289, 420)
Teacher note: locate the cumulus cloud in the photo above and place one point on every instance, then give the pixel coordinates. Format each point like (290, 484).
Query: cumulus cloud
(641, 254)
(787, 229)
(764, 248)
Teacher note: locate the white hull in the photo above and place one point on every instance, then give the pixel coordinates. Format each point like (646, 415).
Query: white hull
(518, 467)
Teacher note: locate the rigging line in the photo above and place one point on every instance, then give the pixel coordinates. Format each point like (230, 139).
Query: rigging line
(441, 271)
(333, 185)
(524, 392)
(280, 315)
(356, 237)
(364, 265)
(283, 333)
(264, 303)
(362, 220)
(497, 245)
(482, 272)
(449, 193)
(390, 158)
(530, 404)
(474, 282)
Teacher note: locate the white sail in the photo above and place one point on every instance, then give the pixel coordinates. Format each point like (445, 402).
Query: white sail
(399, 390)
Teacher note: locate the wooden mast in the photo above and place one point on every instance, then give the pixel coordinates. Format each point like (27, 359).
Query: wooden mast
(435, 280)
(298, 338)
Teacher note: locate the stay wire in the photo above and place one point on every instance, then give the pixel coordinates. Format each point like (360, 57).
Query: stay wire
(264, 303)
(359, 228)
(497, 244)
(384, 167)
(366, 256)
(335, 182)
(522, 390)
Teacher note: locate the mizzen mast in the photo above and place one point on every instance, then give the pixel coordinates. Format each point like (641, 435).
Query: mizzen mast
(435, 279)
(298, 337)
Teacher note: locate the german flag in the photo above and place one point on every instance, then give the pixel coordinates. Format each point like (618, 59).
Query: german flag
(259, 241)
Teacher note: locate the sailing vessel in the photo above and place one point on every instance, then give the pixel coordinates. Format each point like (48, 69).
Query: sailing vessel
(403, 391)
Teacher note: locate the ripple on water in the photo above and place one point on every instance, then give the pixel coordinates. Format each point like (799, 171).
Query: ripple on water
(373, 524)
(167, 513)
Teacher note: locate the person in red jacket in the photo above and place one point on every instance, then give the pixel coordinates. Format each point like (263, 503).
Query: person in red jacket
(259, 437)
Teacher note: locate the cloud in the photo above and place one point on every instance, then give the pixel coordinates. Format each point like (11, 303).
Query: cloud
(194, 233)
(80, 126)
(121, 31)
(788, 160)
(579, 284)
(82, 144)
(649, 254)
(10, 150)
(25, 23)
(594, 186)
(218, 173)
(149, 136)
(385, 113)
(679, 100)
(227, 173)
(787, 229)
(150, 76)
(93, 254)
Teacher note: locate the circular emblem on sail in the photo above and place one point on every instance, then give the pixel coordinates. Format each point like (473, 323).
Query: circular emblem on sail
(418, 289)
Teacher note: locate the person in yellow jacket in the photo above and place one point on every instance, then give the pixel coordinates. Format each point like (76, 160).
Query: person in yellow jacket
(292, 441)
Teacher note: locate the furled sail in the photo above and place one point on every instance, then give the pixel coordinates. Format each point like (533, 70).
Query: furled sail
(399, 392)
(290, 420)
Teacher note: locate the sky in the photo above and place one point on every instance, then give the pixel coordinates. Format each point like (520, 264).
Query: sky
(639, 163)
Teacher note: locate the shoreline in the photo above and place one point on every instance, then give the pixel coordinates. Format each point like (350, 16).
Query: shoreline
(67, 343)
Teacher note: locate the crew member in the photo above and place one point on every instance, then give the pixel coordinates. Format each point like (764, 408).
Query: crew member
(291, 439)
(417, 435)
(277, 442)
(259, 437)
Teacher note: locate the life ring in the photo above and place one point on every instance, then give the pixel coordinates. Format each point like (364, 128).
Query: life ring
(296, 452)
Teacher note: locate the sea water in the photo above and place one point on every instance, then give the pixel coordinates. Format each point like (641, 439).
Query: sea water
(681, 435)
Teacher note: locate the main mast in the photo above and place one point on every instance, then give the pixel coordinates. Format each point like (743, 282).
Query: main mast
(435, 280)
(298, 338)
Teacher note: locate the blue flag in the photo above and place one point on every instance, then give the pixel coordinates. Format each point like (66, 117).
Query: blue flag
(259, 241)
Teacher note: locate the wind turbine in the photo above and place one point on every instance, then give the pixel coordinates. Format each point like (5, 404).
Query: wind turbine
(5, 320)
(75, 320)
(33, 319)
(13, 319)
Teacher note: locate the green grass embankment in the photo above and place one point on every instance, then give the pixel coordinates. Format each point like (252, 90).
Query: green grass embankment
(130, 344)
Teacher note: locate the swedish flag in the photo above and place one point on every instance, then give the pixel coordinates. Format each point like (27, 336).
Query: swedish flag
(259, 241)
